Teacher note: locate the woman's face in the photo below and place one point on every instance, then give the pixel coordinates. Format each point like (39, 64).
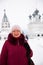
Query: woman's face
(16, 33)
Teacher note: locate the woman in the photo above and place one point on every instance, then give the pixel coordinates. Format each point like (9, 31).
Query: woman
(16, 50)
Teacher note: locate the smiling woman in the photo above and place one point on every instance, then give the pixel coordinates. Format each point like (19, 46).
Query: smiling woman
(16, 50)
(16, 31)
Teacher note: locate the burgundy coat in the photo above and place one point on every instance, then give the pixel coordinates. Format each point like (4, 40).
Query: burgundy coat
(15, 51)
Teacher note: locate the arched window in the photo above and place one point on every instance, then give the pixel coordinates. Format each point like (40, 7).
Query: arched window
(4, 37)
(0, 37)
(42, 35)
(38, 35)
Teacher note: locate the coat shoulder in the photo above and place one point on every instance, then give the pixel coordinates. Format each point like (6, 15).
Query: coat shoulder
(5, 44)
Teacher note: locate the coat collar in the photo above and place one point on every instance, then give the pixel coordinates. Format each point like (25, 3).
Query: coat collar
(14, 40)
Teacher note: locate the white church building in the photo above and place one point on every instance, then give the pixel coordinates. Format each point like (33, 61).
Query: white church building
(5, 27)
(35, 26)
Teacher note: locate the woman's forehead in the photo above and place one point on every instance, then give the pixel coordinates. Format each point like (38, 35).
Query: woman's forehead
(15, 30)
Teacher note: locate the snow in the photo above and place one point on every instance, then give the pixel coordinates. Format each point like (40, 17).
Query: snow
(37, 47)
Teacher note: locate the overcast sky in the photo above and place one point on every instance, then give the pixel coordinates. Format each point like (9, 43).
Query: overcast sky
(18, 10)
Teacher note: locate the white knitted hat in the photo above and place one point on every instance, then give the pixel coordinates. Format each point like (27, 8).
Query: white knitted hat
(16, 27)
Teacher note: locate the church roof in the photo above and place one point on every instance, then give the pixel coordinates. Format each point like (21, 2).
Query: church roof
(5, 19)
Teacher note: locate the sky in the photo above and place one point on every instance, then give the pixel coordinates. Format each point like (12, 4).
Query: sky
(18, 10)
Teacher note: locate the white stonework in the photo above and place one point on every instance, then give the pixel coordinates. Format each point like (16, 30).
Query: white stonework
(35, 26)
(5, 27)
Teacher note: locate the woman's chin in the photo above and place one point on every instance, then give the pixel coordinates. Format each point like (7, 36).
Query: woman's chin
(16, 36)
